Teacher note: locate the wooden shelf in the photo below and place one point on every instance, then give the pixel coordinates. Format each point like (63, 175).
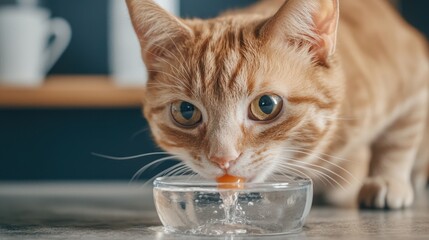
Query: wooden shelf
(72, 92)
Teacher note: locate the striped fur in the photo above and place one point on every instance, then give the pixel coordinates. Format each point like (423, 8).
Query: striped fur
(353, 118)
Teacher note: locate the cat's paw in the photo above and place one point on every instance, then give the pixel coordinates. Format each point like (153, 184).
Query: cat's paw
(384, 192)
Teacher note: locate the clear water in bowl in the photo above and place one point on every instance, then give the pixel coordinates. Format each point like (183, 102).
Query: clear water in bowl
(199, 207)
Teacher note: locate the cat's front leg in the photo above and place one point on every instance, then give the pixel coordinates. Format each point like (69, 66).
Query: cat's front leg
(393, 156)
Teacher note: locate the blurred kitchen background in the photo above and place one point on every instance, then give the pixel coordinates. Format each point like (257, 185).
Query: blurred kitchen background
(90, 101)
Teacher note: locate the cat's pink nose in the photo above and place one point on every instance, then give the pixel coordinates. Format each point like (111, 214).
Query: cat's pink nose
(223, 161)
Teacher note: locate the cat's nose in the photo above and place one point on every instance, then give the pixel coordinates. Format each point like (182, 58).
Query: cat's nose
(224, 161)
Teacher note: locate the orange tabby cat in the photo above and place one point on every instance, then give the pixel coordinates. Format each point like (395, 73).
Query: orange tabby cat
(336, 90)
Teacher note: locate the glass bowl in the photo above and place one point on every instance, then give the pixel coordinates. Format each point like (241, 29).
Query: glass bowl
(192, 205)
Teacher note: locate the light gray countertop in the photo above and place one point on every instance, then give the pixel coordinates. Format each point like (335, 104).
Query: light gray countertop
(112, 210)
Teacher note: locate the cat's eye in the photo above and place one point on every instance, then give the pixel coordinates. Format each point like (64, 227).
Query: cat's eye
(185, 114)
(265, 107)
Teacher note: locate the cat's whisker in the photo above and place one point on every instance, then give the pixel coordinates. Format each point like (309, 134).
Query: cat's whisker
(180, 171)
(275, 178)
(322, 178)
(191, 176)
(183, 58)
(129, 157)
(174, 55)
(288, 175)
(167, 171)
(318, 171)
(317, 156)
(287, 169)
(321, 175)
(176, 70)
(328, 162)
(164, 49)
(317, 153)
(280, 169)
(322, 168)
(163, 173)
(139, 132)
(353, 178)
(171, 170)
(144, 168)
(177, 171)
(316, 175)
(185, 171)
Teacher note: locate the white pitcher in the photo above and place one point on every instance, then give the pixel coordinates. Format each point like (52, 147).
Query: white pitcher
(25, 52)
(126, 65)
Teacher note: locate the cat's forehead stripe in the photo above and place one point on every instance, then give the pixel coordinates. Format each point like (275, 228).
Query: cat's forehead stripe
(201, 64)
(219, 58)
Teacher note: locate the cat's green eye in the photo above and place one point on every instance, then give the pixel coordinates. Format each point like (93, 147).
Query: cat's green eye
(185, 114)
(265, 107)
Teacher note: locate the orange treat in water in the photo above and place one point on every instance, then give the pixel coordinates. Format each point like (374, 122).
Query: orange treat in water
(230, 182)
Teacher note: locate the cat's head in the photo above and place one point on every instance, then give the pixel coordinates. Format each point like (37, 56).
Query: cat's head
(247, 95)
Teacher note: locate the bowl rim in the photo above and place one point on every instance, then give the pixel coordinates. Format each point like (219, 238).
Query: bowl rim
(280, 182)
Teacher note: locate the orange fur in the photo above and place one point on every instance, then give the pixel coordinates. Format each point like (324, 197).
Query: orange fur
(356, 99)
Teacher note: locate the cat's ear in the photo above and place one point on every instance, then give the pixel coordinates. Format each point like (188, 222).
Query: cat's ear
(158, 31)
(313, 22)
